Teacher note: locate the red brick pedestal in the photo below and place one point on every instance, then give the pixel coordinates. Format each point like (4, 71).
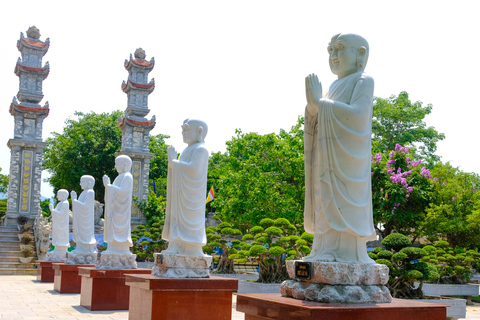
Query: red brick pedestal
(258, 306)
(66, 279)
(45, 271)
(187, 298)
(105, 289)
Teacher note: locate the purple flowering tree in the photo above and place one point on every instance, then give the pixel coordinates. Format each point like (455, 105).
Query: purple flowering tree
(401, 190)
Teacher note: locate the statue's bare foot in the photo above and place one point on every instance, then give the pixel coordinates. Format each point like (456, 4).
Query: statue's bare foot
(327, 258)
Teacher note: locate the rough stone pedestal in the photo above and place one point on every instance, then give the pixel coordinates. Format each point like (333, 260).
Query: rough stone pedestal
(67, 279)
(116, 261)
(103, 289)
(337, 282)
(172, 298)
(56, 256)
(81, 258)
(181, 266)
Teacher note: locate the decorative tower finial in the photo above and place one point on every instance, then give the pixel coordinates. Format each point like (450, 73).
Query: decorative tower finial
(140, 54)
(33, 33)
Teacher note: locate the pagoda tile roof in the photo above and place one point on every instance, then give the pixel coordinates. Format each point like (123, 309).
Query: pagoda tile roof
(139, 62)
(137, 122)
(29, 109)
(19, 67)
(150, 86)
(38, 45)
(35, 43)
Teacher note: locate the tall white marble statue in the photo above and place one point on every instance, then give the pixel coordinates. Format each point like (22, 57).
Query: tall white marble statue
(186, 193)
(338, 194)
(83, 223)
(60, 227)
(338, 128)
(117, 229)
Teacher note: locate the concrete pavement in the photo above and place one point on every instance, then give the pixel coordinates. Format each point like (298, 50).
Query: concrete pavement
(22, 297)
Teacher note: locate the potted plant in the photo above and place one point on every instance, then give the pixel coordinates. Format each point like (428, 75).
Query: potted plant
(27, 254)
(21, 221)
(25, 239)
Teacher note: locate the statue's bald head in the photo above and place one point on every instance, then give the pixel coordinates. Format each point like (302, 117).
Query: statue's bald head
(62, 195)
(89, 180)
(359, 42)
(200, 127)
(124, 161)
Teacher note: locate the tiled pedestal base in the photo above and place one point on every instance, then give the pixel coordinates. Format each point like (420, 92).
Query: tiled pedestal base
(105, 289)
(45, 272)
(258, 306)
(188, 298)
(66, 279)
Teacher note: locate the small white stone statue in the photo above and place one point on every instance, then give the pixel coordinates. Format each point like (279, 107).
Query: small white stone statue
(60, 230)
(184, 227)
(338, 128)
(186, 193)
(83, 223)
(118, 210)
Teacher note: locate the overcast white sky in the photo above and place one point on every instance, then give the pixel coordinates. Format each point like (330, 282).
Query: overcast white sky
(241, 64)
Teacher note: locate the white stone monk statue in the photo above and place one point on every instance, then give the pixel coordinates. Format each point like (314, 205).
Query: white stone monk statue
(83, 216)
(118, 208)
(60, 216)
(338, 128)
(186, 193)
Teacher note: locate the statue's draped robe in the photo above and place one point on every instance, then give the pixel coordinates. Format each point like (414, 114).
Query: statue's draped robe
(118, 209)
(337, 141)
(186, 196)
(60, 217)
(83, 218)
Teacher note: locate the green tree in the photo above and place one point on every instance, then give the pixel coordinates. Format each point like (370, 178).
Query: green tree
(260, 176)
(147, 241)
(87, 146)
(405, 269)
(454, 265)
(271, 244)
(3, 182)
(398, 120)
(455, 212)
(222, 238)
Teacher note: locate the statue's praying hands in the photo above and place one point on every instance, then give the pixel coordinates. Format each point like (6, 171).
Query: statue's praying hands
(313, 89)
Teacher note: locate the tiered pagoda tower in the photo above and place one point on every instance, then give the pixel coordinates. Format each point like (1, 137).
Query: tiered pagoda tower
(27, 145)
(136, 128)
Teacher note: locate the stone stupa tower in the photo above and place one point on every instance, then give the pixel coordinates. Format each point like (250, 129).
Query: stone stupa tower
(27, 144)
(136, 128)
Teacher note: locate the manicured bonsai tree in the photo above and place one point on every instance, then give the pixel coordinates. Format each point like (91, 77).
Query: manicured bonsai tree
(405, 266)
(222, 239)
(271, 244)
(147, 241)
(455, 265)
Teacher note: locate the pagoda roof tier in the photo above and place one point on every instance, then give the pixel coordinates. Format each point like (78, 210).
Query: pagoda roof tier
(14, 108)
(127, 86)
(33, 44)
(144, 64)
(137, 123)
(19, 68)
